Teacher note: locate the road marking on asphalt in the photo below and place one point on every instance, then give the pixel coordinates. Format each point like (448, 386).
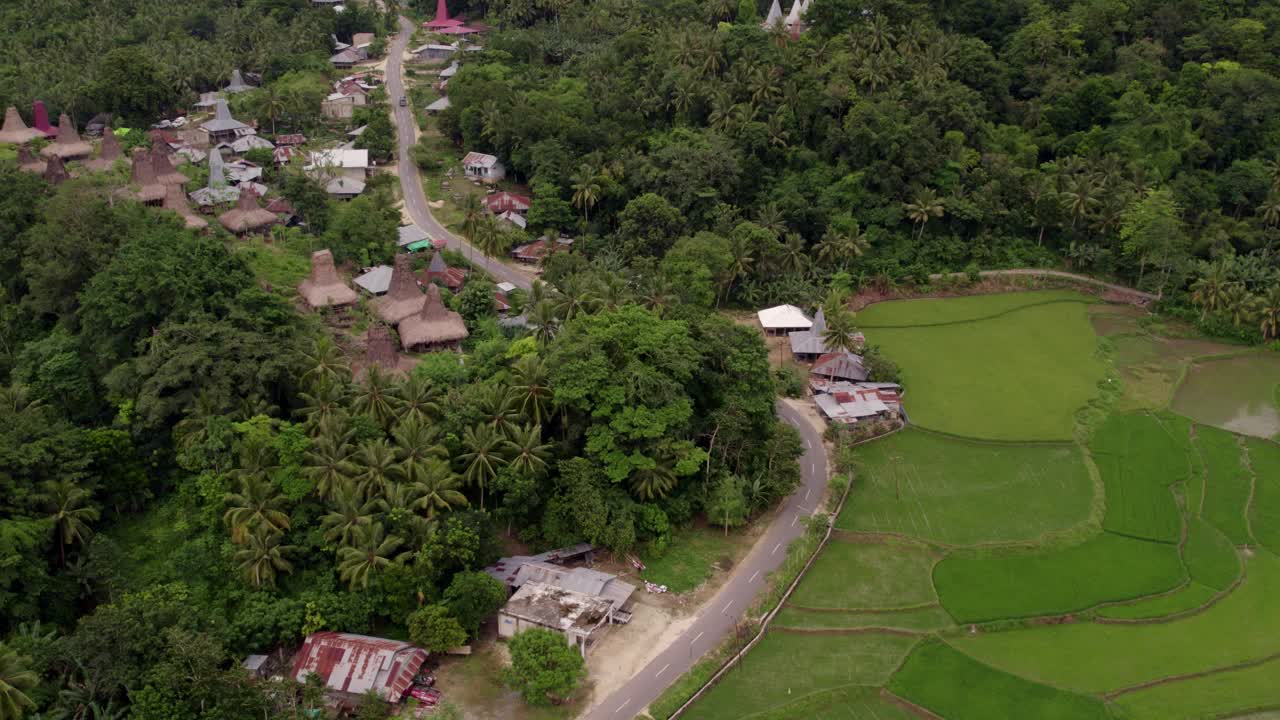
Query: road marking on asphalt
(727, 606)
(806, 493)
(754, 575)
(664, 669)
(775, 549)
(696, 638)
(813, 468)
(794, 518)
(808, 445)
(628, 702)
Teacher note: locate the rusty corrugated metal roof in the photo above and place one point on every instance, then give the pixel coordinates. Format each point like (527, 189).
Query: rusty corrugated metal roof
(359, 663)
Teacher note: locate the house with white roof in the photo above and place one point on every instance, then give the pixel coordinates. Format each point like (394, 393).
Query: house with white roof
(343, 171)
(783, 319)
(483, 167)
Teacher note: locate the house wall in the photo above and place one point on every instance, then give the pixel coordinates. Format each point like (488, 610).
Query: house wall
(340, 109)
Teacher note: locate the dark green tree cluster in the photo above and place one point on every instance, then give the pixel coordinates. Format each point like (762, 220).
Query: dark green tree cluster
(893, 138)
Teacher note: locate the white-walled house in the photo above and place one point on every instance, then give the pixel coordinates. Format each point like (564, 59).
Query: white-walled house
(482, 167)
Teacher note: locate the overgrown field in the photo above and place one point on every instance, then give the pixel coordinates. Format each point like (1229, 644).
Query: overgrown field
(1016, 374)
(1127, 572)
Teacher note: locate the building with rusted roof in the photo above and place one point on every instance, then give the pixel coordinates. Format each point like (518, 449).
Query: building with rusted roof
(356, 664)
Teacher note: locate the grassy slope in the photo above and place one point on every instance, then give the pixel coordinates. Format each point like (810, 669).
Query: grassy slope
(1140, 457)
(1091, 657)
(956, 492)
(984, 585)
(1208, 697)
(957, 687)
(1042, 357)
(1210, 558)
(1264, 513)
(1227, 485)
(887, 576)
(785, 667)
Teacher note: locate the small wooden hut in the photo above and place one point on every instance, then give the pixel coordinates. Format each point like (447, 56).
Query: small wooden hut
(247, 216)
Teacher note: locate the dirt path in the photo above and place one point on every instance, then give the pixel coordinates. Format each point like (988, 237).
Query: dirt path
(1044, 272)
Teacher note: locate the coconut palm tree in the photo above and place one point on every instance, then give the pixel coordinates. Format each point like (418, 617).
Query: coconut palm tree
(329, 462)
(69, 511)
(532, 388)
(795, 257)
(658, 294)
(376, 397)
(840, 331)
(925, 205)
(16, 677)
(324, 363)
(437, 488)
(350, 510)
(256, 505)
(1269, 313)
(397, 505)
(526, 451)
(770, 217)
(585, 185)
(262, 557)
(417, 442)
(1239, 304)
(499, 407)
(483, 457)
(472, 208)
(1269, 210)
(324, 403)
(493, 241)
(1080, 199)
(743, 261)
(418, 399)
(370, 551)
(653, 480)
(545, 322)
(1209, 290)
(376, 460)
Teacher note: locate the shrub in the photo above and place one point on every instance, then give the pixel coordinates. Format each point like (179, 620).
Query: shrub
(433, 628)
(544, 668)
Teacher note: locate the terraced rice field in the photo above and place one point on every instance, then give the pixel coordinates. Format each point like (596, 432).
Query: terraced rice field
(1128, 570)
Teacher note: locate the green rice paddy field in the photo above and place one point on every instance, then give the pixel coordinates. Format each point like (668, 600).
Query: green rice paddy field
(1011, 556)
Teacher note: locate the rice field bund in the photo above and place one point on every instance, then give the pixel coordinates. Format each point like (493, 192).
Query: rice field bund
(1081, 521)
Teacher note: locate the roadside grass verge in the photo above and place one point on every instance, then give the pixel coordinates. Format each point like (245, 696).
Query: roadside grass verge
(786, 666)
(982, 585)
(1099, 657)
(1210, 557)
(1264, 513)
(692, 555)
(948, 682)
(936, 311)
(924, 619)
(839, 704)
(1228, 483)
(956, 492)
(859, 575)
(1139, 457)
(1043, 359)
(1212, 696)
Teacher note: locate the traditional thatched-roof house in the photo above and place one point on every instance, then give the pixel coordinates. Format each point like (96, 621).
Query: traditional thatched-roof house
(176, 200)
(148, 191)
(14, 130)
(28, 161)
(55, 172)
(223, 127)
(247, 216)
(324, 288)
(108, 152)
(404, 297)
(68, 146)
(380, 352)
(216, 192)
(434, 328)
(40, 120)
(237, 84)
(165, 173)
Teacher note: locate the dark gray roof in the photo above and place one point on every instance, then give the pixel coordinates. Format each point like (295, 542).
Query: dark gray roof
(222, 120)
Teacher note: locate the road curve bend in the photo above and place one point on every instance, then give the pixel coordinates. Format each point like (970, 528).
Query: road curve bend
(415, 200)
(721, 614)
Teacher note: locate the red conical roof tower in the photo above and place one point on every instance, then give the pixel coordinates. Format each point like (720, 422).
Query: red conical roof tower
(442, 17)
(40, 119)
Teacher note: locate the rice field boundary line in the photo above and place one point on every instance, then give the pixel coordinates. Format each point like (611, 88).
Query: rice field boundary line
(917, 710)
(868, 611)
(1112, 694)
(982, 318)
(1180, 615)
(866, 630)
(768, 618)
(1047, 540)
(991, 441)
(1253, 488)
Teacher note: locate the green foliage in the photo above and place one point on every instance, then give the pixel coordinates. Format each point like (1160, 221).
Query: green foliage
(473, 596)
(1228, 483)
(543, 667)
(364, 230)
(1210, 557)
(1264, 511)
(433, 628)
(1140, 457)
(954, 685)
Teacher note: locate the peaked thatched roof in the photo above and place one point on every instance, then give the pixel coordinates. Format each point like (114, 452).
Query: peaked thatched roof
(324, 288)
(55, 172)
(108, 151)
(404, 297)
(237, 83)
(14, 130)
(217, 192)
(28, 161)
(164, 170)
(144, 177)
(247, 215)
(40, 120)
(380, 352)
(68, 145)
(176, 200)
(222, 120)
(434, 325)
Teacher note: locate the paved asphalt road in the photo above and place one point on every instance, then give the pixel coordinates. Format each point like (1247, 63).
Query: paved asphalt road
(721, 614)
(411, 182)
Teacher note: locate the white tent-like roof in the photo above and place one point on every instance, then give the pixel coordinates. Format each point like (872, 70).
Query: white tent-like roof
(774, 16)
(376, 280)
(784, 317)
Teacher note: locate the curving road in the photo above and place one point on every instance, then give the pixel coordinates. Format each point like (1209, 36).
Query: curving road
(719, 616)
(415, 201)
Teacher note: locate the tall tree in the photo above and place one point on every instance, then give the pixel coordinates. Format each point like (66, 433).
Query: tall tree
(371, 551)
(483, 457)
(70, 512)
(262, 557)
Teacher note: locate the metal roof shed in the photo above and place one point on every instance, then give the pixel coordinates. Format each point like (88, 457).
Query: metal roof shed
(356, 664)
